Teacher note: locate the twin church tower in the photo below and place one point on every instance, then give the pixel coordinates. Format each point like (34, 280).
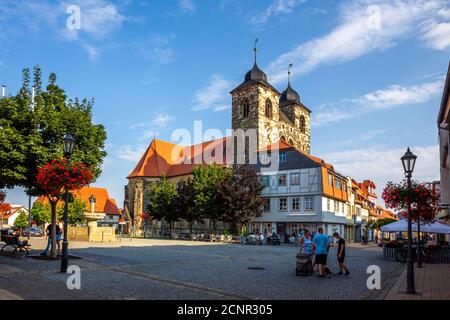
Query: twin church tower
(256, 104)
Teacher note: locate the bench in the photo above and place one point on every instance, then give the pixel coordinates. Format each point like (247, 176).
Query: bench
(16, 243)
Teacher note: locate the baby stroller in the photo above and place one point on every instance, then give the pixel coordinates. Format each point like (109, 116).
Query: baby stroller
(304, 266)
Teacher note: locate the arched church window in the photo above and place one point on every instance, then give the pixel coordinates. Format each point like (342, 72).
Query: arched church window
(302, 124)
(245, 108)
(268, 108)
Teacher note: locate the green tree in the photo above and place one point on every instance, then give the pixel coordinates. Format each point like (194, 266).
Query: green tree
(75, 211)
(163, 196)
(205, 202)
(22, 220)
(41, 213)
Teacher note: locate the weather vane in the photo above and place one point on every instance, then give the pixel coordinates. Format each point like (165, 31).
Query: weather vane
(289, 72)
(255, 49)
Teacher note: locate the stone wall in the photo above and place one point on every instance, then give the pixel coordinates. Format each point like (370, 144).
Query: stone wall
(94, 234)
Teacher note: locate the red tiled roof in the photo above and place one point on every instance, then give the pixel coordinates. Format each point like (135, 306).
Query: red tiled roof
(167, 159)
(103, 203)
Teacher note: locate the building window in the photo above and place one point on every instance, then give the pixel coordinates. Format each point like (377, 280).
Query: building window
(309, 204)
(338, 184)
(266, 181)
(266, 204)
(295, 179)
(328, 204)
(345, 185)
(282, 157)
(282, 180)
(343, 208)
(282, 204)
(268, 108)
(302, 124)
(336, 206)
(330, 179)
(295, 204)
(246, 109)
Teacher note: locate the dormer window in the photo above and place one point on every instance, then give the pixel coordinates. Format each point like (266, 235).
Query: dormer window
(268, 109)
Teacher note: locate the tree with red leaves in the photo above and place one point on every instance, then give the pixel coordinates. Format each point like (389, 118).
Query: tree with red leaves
(423, 197)
(54, 179)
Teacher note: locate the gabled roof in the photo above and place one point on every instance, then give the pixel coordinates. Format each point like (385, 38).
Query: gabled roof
(167, 159)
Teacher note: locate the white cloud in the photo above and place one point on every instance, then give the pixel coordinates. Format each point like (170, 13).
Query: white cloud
(393, 96)
(157, 48)
(382, 164)
(215, 95)
(437, 36)
(131, 153)
(187, 6)
(278, 7)
(161, 120)
(360, 33)
(92, 51)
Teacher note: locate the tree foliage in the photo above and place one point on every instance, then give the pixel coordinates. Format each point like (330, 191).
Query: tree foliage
(377, 224)
(240, 196)
(22, 220)
(213, 193)
(32, 135)
(76, 210)
(41, 213)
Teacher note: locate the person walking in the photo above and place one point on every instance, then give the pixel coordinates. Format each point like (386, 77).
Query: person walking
(341, 255)
(320, 249)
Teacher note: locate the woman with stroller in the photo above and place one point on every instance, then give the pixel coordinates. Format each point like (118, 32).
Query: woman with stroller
(306, 243)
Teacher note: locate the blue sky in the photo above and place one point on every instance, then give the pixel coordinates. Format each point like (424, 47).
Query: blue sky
(372, 72)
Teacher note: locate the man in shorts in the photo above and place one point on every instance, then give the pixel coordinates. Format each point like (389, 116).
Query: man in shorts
(321, 246)
(341, 255)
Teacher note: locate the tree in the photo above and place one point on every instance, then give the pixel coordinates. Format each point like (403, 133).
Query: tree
(76, 210)
(31, 138)
(41, 213)
(184, 203)
(205, 202)
(21, 221)
(163, 196)
(422, 197)
(240, 196)
(54, 179)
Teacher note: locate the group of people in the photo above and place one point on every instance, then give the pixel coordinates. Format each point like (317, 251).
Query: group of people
(48, 231)
(318, 247)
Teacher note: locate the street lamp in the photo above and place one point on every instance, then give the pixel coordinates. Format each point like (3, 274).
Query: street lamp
(68, 144)
(409, 161)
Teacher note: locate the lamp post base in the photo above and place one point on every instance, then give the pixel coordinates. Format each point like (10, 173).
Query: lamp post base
(65, 257)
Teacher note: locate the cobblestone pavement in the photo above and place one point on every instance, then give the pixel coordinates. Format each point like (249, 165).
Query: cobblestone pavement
(152, 269)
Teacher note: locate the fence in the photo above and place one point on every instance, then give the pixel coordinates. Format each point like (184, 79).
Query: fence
(441, 256)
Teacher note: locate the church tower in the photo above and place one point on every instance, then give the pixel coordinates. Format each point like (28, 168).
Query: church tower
(255, 105)
(275, 116)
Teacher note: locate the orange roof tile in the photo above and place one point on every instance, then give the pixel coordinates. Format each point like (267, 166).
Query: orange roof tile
(103, 203)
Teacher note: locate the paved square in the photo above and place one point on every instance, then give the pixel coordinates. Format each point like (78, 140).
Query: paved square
(158, 269)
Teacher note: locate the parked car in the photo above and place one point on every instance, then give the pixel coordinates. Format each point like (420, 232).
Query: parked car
(34, 232)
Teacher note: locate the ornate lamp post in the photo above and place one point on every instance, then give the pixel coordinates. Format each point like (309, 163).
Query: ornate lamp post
(408, 161)
(68, 143)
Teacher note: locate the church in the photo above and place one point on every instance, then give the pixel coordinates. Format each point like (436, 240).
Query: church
(256, 105)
